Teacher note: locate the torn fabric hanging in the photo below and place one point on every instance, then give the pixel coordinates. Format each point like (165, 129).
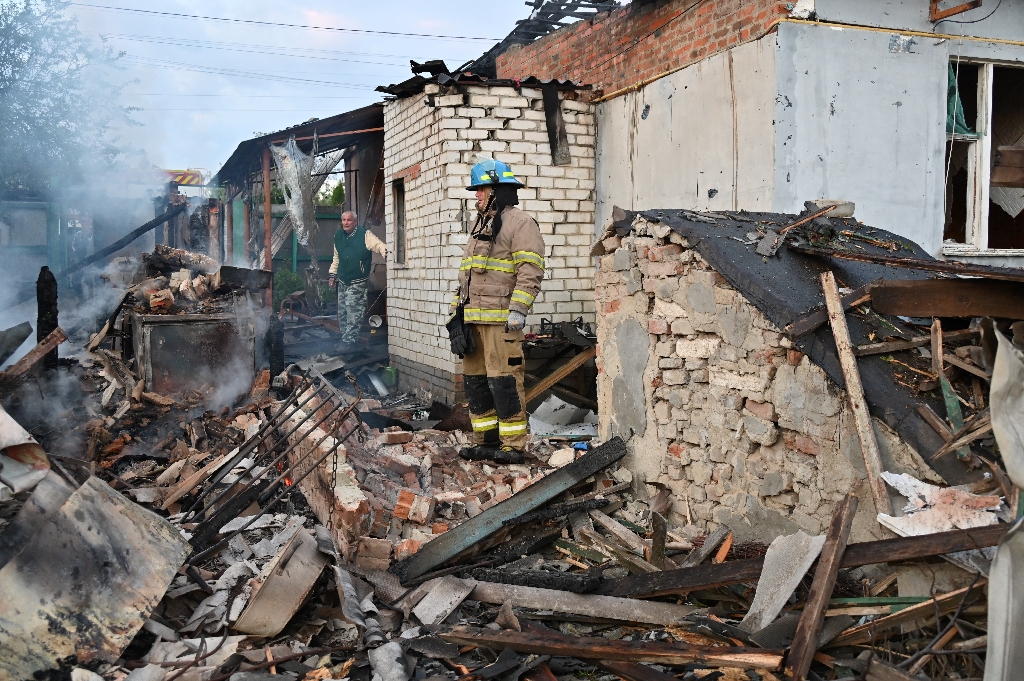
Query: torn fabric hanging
(295, 171)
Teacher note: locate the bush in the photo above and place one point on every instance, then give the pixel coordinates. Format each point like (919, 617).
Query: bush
(286, 282)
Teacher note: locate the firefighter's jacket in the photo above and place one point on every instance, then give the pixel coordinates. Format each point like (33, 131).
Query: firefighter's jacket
(501, 274)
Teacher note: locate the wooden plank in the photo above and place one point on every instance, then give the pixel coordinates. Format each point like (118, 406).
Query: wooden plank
(948, 266)
(561, 372)
(948, 298)
(44, 347)
(619, 531)
(966, 435)
(855, 392)
(630, 671)
(587, 605)
(597, 648)
(813, 320)
(935, 421)
(713, 540)
(659, 530)
(190, 483)
(684, 580)
(474, 530)
(940, 605)
(633, 563)
(915, 342)
(969, 368)
(801, 653)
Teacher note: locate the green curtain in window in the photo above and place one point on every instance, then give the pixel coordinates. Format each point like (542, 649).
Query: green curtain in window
(955, 122)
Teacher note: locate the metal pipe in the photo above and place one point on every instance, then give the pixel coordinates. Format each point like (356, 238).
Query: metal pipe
(224, 542)
(280, 456)
(248, 448)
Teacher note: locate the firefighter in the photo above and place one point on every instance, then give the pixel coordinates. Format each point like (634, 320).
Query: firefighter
(499, 277)
(354, 246)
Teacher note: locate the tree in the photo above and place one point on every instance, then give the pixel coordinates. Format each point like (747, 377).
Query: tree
(58, 98)
(331, 196)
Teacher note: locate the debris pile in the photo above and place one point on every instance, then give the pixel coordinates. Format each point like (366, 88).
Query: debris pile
(302, 530)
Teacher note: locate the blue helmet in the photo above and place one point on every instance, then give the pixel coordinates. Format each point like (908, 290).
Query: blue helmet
(489, 172)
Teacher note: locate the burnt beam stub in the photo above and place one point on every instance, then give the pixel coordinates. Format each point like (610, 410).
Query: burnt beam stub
(46, 315)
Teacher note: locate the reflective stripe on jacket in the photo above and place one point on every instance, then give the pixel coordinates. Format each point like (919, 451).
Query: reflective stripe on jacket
(504, 274)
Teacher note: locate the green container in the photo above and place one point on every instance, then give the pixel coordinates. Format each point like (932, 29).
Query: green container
(390, 376)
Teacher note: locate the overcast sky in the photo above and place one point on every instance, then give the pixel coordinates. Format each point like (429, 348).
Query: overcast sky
(205, 85)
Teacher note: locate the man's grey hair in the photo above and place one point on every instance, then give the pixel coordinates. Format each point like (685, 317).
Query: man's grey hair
(352, 213)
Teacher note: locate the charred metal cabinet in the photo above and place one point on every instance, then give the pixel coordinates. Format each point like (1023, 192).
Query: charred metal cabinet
(180, 352)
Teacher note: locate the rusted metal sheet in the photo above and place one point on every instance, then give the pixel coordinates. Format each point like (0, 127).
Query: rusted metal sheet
(86, 582)
(178, 352)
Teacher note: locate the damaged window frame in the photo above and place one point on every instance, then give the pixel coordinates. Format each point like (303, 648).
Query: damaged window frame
(979, 167)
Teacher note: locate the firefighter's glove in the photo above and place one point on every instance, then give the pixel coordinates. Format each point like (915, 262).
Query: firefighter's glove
(516, 321)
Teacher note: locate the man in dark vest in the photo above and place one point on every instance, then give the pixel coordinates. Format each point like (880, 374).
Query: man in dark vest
(353, 253)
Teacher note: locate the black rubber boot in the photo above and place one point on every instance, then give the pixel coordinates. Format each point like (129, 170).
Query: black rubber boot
(507, 455)
(478, 453)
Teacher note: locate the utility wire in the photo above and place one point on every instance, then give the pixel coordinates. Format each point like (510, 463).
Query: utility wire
(972, 21)
(192, 44)
(279, 24)
(200, 68)
(196, 42)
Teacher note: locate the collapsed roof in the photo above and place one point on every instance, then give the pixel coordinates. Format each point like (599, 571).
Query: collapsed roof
(786, 287)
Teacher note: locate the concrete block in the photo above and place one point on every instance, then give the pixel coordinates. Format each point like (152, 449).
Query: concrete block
(760, 431)
(700, 348)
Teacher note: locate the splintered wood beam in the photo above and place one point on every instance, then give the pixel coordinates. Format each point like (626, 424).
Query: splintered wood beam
(659, 532)
(45, 346)
(631, 671)
(805, 641)
(915, 342)
(811, 321)
(855, 392)
(712, 542)
(948, 298)
(597, 648)
(937, 606)
(951, 267)
(684, 580)
(533, 392)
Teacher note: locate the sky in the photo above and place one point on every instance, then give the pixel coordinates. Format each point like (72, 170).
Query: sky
(204, 85)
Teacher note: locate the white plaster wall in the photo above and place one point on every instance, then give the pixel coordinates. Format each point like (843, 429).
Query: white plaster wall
(1007, 22)
(857, 121)
(706, 142)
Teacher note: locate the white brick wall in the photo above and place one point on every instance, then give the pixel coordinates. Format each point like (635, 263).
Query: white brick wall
(445, 140)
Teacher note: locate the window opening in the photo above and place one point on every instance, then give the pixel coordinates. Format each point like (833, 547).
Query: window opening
(398, 196)
(984, 149)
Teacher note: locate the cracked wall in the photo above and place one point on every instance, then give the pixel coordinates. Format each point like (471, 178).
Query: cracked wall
(717, 403)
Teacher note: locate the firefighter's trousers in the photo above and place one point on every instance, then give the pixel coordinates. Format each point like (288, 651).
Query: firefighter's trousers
(493, 374)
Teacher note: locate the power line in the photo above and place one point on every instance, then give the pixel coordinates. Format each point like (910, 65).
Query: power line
(144, 109)
(174, 43)
(279, 24)
(216, 44)
(233, 96)
(212, 70)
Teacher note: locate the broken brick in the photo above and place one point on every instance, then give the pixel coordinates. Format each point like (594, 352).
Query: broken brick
(374, 548)
(406, 548)
(396, 438)
(658, 327)
(762, 410)
(414, 507)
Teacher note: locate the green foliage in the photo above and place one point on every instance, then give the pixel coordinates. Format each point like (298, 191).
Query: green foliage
(285, 282)
(332, 197)
(58, 98)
